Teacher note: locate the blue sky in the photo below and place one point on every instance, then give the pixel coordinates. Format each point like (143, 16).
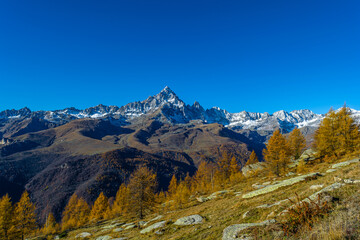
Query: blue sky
(238, 55)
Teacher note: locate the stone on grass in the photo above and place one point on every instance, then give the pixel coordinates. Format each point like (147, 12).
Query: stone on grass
(248, 170)
(189, 220)
(83, 235)
(153, 226)
(346, 163)
(216, 194)
(330, 170)
(202, 199)
(316, 187)
(118, 229)
(351, 181)
(283, 183)
(234, 231)
(130, 226)
(104, 238)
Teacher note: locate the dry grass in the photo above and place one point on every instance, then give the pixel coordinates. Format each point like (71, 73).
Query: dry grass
(341, 223)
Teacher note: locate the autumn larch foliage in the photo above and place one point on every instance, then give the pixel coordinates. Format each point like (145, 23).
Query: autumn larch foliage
(204, 177)
(24, 217)
(252, 159)
(120, 206)
(337, 134)
(76, 213)
(100, 209)
(50, 226)
(6, 214)
(142, 187)
(296, 142)
(276, 152)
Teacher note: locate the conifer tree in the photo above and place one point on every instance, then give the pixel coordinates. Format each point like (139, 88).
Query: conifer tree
(235, 173)
(222, 175)
(296, 143)
(182, 195)
(120, 205)
(252, 159)
(6, 214)
(276, 152)
(142, 186)
(24, 216)
(100, 209)
(50, 226)
(76, 213)
(82, 212)
(204, 177)
(337, 134)
(172, 187)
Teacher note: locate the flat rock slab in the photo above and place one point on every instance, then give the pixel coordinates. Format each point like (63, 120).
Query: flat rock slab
(234, 231)
(83, 235)
(346, 163)
(153, 226)
(189, 220)
(104, 238)
(276, 186)
(118, 229)
(130, 226)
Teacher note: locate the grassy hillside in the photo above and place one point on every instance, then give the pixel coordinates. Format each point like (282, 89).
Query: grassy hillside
(228, 208)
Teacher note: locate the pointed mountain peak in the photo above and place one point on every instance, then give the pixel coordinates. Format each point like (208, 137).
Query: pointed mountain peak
(167, 95)
(167, 90)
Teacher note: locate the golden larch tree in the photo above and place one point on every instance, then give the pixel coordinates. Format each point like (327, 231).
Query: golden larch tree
(235, 173)
(76, 213)
(252, 159)
(50, 226)
(24, 217)
(120, 206)
(204, 177)
(182, 195)
(296, 143)
(100, 209)
(337, 134)
(142, 187)
(6, 214)
(172, 187)
(276, 152)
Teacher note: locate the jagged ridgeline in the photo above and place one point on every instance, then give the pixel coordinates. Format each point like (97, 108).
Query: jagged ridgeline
(56, 154)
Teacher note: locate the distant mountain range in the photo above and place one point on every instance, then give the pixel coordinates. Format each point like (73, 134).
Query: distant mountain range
(167, 107)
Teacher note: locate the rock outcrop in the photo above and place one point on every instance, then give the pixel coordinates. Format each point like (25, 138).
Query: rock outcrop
(189, 220)
(234, 231)
(276, 186)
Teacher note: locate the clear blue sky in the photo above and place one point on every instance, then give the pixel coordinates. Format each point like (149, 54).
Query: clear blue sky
(238, 55)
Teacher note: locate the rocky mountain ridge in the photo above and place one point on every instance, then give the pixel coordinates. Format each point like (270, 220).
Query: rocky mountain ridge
(167, 107)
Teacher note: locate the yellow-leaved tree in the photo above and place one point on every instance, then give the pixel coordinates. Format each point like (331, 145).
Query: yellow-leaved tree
(100, 209)
(182, 195)
(142, 187)
(172, 187)
(235, 173)
(120, 206)
(6, 214)
(337, 134)
(76, 213)
(276, 153)
(24, 218)
(252, 159)
(204, 178)
(296, 142)
(50, 226)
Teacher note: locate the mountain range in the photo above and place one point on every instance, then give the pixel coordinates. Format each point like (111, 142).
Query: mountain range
(167, 107)
(54, 154)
